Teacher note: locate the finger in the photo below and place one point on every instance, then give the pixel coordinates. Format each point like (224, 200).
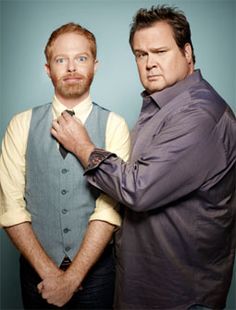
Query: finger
(40, 287)
(66, 115)
(55, 125)
(54, 133)
(61, 119)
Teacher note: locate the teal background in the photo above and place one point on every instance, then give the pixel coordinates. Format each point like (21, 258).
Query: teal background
(25, 28)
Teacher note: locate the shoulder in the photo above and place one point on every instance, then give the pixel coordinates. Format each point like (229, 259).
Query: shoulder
(17, 130)
(205, 98)
(20, 119)
(116, 120)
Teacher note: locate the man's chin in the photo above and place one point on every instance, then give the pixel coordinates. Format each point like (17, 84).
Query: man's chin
(72, 93)
(154, 87)
(154, 90)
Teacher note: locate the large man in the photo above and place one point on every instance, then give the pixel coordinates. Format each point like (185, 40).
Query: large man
(53, 216)
(176, 247)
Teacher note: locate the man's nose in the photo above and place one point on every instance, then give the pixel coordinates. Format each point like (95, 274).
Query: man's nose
(71, 66)
(151, 62)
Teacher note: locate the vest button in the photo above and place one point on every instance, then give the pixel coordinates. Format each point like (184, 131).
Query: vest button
(64, 211)
(66, 230)
(64, 171)
(63, 191)
(67, 249)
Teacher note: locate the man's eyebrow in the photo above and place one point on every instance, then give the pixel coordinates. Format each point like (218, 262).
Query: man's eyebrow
(139, 51)
(152, 49)
(156, 49)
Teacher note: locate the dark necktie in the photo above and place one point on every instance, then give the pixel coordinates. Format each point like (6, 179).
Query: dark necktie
(62, 150)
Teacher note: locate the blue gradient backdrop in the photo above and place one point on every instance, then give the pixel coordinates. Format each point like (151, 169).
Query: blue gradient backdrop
(25, 27)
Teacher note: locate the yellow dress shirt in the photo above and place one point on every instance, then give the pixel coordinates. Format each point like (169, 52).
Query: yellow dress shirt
(12, 163)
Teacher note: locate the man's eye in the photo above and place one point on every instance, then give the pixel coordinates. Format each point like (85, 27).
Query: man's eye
(82, 58)
(60, 60)
(140, 56)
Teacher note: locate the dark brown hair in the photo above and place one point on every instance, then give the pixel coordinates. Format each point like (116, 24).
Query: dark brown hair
(145, 18)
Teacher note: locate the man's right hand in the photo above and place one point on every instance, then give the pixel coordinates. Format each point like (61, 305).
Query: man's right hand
(71, 133)
(57, 290)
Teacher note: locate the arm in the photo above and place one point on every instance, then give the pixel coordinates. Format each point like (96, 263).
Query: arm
(175, 164)
(179, 160)
(13, 214)
(26, 242)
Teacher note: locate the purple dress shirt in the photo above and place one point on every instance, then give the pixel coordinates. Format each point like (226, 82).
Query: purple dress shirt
(176, 246)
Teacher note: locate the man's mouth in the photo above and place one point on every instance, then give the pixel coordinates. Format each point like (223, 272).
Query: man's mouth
(153, 77)
(72, 79)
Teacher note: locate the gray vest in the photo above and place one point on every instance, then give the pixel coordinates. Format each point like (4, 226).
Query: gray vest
(57, 195)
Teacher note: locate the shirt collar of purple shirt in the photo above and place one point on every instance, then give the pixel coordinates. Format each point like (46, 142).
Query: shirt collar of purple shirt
(161, 98)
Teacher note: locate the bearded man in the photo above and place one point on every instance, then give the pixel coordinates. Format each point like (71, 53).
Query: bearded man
(62, 226)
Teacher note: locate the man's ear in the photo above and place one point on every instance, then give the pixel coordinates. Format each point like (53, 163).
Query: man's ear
(188, 53)
(47, 69)
(96, 65)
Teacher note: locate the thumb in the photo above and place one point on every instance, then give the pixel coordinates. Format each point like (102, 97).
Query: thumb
(40, 287)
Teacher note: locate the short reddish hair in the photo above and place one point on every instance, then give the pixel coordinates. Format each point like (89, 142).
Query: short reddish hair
(71, 28)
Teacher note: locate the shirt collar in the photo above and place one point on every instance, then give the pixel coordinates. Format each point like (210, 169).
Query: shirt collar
(81, 110)
(164, 96)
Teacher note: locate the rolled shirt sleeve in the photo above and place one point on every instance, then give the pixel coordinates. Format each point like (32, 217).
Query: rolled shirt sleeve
(12, 171)
(117, 141)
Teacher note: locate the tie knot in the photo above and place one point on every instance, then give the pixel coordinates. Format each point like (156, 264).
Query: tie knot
(70, 112)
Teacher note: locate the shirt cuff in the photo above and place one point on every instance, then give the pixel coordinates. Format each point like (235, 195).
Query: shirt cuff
(96, 158)
(14, 216)
(108, 216)
(106, 210)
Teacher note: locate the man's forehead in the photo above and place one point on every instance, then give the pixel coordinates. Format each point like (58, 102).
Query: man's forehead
(157, 27)
(158, 35)
(70, 36)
